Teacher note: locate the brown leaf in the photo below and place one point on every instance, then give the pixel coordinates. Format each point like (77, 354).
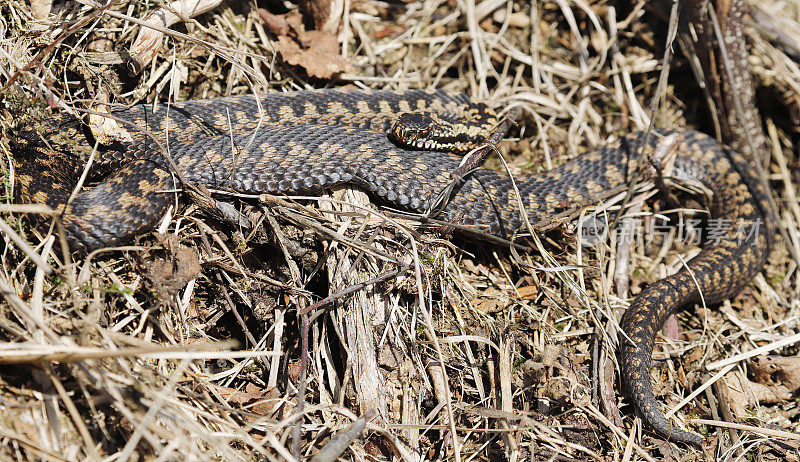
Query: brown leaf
(319, 58)
(744, 393)
(276, 24)
(315, 51)
(321, 42)
(492, 301)
(261, 401)
(784, 370)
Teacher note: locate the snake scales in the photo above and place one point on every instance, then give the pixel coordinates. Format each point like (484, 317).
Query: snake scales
(298, 143)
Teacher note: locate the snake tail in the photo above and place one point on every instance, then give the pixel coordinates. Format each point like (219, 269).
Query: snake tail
(743, 234)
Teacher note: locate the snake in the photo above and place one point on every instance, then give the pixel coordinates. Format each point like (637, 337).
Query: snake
(401, 147)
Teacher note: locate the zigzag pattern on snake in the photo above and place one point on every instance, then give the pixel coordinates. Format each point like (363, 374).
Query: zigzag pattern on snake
(299, 143)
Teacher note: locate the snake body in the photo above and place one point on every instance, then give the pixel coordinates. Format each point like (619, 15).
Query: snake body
(303, 142)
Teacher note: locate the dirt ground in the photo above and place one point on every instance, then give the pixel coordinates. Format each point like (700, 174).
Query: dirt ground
(335, 328)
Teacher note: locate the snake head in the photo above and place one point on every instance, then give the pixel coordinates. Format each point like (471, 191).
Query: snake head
(412, 130)
(432, 131)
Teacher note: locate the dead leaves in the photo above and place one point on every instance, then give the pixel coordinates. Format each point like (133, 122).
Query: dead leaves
(168, 271)
(257, 401)
(493, 300)
(771, 370)
(315, 51)
(775, 379)
(317, 56)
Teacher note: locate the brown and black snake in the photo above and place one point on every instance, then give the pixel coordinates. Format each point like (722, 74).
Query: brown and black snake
(303, 142)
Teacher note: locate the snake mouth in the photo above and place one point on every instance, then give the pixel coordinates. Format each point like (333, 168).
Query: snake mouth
(409, 137)
(412, 130)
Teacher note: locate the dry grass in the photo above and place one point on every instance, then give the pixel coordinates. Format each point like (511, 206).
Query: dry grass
(475, 352)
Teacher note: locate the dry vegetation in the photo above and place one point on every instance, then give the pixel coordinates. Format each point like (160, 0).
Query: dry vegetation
(188, 345)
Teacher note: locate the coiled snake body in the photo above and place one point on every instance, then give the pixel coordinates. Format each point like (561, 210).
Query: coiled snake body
(297, 143)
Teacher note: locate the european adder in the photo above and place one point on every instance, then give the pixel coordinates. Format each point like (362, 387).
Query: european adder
(299, 143)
